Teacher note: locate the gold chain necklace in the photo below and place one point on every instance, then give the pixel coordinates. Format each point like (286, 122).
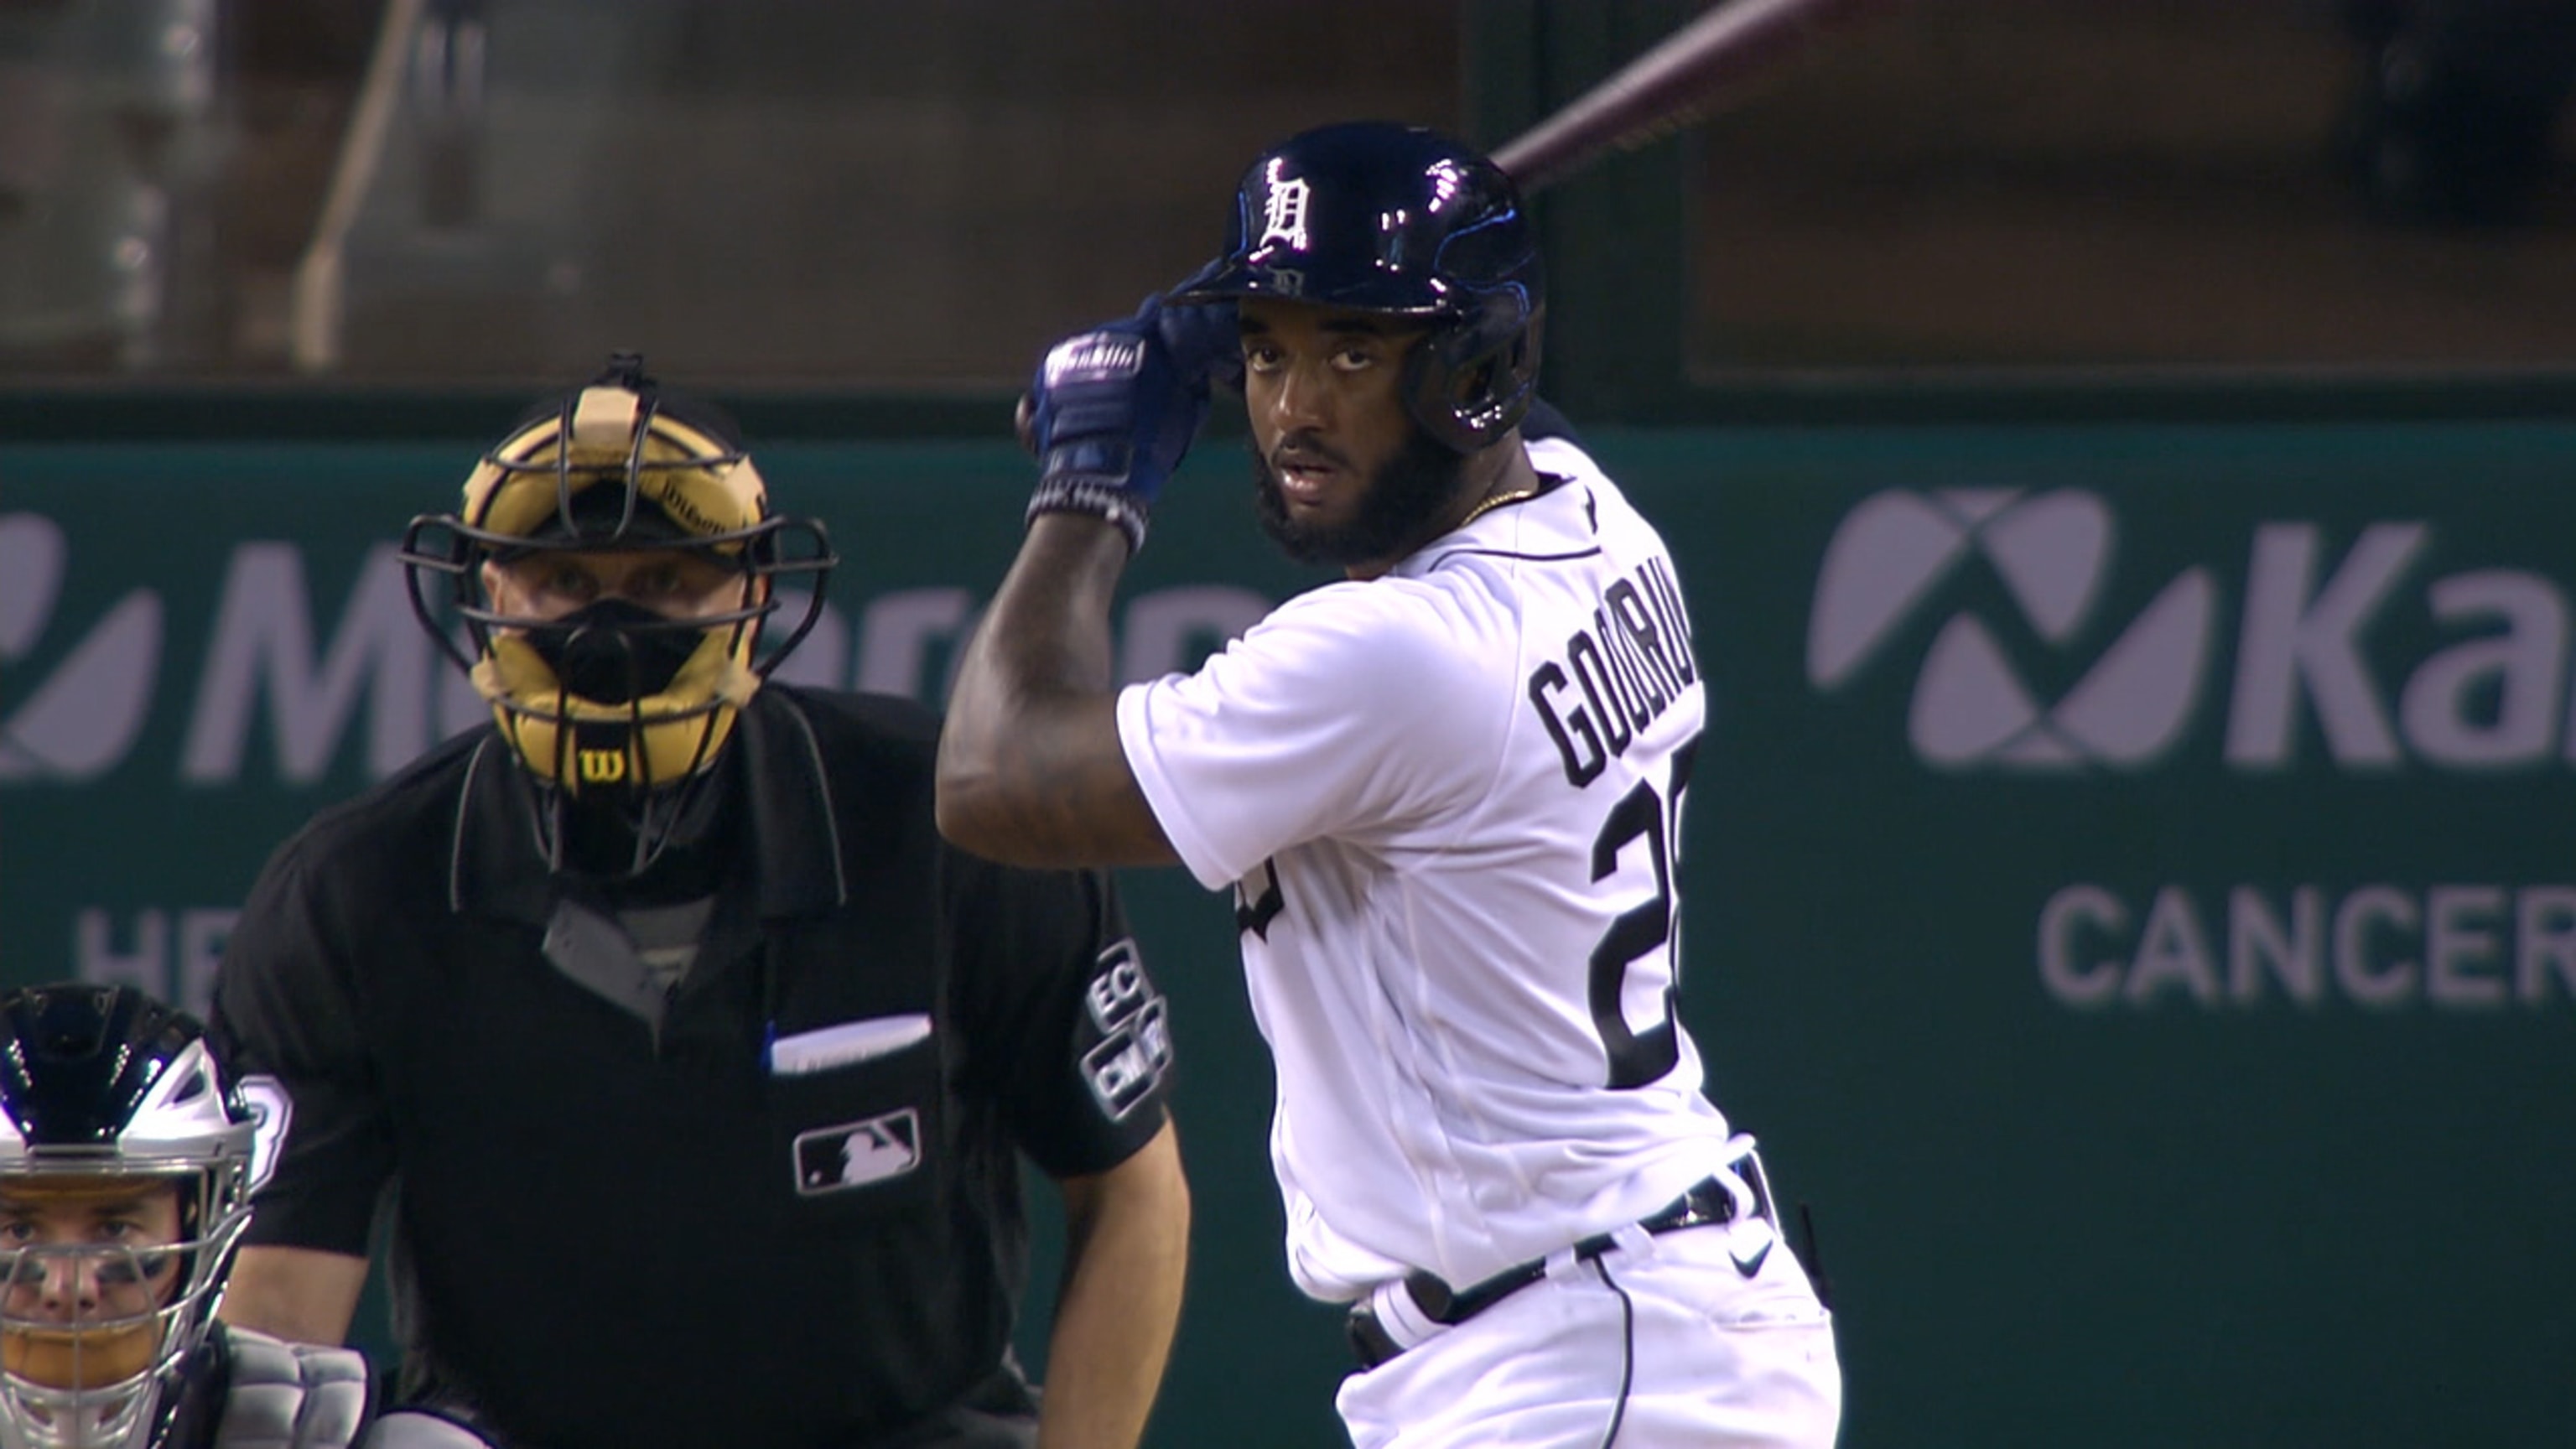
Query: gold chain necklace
(1517, 495)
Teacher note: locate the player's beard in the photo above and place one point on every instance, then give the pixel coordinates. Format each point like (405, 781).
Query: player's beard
(1404, 498)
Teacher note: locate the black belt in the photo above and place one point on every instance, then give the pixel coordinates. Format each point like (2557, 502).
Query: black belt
(1705, 1203)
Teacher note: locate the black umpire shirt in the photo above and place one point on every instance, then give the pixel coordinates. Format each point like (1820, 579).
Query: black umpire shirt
(788, 1213)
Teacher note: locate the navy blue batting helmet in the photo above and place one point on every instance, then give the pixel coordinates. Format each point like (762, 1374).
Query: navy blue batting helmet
(1380, 217)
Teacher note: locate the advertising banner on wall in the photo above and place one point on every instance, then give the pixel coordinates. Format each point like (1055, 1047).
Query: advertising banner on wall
(2129, 889)
(2138, 907)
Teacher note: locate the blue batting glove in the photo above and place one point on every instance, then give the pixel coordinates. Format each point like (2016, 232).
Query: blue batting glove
(1206, 342)
(1116, 407)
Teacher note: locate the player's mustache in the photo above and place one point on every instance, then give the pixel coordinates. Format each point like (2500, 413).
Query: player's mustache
(1305, 448)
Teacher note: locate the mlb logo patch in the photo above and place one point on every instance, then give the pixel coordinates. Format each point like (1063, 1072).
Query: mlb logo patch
(855, 1154)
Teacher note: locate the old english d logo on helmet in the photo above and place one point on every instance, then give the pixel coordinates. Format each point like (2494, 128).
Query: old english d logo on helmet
(1283, 210)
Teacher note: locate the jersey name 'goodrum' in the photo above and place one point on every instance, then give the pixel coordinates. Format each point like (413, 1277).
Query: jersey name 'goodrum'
(1616, 676)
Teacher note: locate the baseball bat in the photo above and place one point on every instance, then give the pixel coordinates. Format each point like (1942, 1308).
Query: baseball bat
(1682, 81)
(1686, 78)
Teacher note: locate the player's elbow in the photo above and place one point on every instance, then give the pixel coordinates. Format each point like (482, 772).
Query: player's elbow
(970, 829)
(961, 778)
(1046, 795)
(965, 803)
(976, 813)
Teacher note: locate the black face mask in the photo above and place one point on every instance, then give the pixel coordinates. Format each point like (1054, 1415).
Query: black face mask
(614, 651)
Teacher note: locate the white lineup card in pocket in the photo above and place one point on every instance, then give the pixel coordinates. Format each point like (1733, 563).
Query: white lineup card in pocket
(844, 1045)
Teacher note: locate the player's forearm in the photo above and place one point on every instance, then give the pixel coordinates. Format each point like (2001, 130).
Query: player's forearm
(1127, 1235)
(1047, 629)
(1030, 768)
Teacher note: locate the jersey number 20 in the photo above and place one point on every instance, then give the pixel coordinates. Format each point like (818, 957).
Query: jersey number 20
(1637, 1058)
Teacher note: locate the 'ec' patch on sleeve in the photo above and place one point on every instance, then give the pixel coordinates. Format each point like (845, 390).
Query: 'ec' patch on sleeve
(1135, 1045)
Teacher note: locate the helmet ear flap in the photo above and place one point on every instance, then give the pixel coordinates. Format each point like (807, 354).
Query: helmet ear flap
(1470, 383)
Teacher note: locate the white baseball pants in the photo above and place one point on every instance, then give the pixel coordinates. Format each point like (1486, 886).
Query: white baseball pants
(1700, 1355)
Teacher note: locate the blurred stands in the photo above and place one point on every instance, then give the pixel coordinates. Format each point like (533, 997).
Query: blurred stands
(782, 194)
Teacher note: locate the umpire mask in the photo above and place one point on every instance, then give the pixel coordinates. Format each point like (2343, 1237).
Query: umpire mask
(615, 652)
(614, 703)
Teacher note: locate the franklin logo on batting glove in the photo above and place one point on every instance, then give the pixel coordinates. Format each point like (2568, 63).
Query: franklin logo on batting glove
(1097, 357)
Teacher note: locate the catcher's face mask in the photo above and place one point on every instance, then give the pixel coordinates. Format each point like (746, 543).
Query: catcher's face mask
(613, 566)
(90, 1268)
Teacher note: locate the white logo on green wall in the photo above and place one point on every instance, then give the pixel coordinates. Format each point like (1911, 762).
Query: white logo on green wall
(285, 681)
(2313, 664)
(81, 718)
(1970, 705)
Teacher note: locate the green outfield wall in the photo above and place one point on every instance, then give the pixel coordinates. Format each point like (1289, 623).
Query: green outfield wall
(2129, 886)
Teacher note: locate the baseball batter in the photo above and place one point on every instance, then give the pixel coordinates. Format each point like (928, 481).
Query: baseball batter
(1446, 793)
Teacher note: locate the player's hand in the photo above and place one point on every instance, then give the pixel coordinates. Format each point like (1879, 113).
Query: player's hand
(1206, 342)
(1118, 405)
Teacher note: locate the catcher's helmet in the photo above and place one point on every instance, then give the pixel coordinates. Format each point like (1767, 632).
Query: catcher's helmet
(108, 1097)
(615, 701)
(1380, 217)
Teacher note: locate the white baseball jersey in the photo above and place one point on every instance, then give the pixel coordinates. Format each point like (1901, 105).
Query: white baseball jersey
(1449, 802)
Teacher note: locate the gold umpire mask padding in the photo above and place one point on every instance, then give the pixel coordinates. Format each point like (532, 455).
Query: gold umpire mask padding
(669, 485)
(588, 746)
(704, 490)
